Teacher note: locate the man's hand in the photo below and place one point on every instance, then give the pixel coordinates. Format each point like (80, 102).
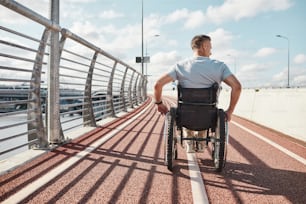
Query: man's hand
(162, 109)
(228, 116)
(158, 88)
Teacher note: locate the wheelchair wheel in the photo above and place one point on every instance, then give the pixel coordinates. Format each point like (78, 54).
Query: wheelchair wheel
(220, 144)
(170, 140)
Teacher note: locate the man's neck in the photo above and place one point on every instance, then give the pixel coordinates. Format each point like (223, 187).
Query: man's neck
(199, 55)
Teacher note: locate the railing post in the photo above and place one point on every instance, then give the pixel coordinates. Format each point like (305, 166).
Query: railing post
(143, 88)
(122, 91)
(53, 127)
(130, 93)
(88, 114)
(110, 90)
(35, 95)
(139, 88)
(135, 90)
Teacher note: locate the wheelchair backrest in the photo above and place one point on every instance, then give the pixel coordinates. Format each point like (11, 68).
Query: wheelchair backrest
(205, 96)
(197, 107)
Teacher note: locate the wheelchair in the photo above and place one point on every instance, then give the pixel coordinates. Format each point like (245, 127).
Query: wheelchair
(197, 110)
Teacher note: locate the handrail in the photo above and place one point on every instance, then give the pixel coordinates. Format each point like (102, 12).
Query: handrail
(93, 85)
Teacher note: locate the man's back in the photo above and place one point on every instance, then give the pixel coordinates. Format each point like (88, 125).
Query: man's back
(199, 72)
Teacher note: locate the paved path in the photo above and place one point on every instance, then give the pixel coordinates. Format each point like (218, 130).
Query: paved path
(123, 162)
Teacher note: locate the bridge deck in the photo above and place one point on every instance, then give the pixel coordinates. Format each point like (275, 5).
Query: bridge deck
(123, 162)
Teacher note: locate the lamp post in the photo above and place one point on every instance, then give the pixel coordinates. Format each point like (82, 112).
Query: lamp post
(284, 37)
(142, 37)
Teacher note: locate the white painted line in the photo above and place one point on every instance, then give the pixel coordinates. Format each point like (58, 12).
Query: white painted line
(32, 187)
(289, 153)
(197, 186)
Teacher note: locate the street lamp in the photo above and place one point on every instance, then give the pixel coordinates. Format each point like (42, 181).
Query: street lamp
(284, 37)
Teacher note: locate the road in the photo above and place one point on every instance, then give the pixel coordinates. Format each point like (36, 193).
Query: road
(123, 162)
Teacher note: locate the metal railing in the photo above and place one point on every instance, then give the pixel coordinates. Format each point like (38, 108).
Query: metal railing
(92, 84)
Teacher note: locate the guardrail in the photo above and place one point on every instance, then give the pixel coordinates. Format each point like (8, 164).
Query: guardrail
(91, 84)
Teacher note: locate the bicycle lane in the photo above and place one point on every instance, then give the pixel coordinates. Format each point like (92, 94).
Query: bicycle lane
(127, 168)
(256, 171)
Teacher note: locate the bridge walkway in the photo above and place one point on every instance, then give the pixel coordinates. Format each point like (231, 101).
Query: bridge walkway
(123, 162)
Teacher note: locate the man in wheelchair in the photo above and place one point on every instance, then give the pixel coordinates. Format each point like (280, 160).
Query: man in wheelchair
(198, 72)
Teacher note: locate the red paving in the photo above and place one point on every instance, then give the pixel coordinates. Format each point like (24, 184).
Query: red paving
(129, 168)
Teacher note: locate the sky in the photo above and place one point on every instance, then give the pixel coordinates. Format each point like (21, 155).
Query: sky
(243, 33)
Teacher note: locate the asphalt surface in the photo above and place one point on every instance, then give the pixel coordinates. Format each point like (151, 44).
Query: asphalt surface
(123, 162)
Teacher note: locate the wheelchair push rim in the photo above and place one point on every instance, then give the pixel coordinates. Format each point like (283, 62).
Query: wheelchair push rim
(220, 143)
(170, 147)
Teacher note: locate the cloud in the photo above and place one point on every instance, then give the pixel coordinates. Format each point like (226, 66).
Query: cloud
(221, 43)
(11, 17)
(152, 26)
(221, 38)
(297, 73)
(110, 14)
(161, 63)
(195, 19)
(72, 12)
(253, 68)
(252, 74)
(109, 37)
(86, 30)
(264, 52)
(190, 19)
(68, 8)
(300, 80)
(177, 15)
(297, 77)
(299, 59)
(237, 9)
(230, 10)
(166, 59)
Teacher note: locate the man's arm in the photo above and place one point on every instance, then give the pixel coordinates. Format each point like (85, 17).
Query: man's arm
(233, 82)
(158, 89)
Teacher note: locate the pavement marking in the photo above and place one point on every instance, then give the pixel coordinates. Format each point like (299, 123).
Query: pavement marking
(284, 150)
(197, 186)
(32, 187)
(199, 194)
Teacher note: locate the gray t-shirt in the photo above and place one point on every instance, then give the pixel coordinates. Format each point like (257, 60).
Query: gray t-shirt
(199, 72)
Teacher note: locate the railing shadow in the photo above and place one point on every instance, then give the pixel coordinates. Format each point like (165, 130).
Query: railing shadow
(43, 164)
(257, 177)
(115, 154)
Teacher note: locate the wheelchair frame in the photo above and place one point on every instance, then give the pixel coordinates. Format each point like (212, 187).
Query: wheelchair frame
(217, 129)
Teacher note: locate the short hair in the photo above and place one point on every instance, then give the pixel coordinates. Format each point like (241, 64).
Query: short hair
(198, 40)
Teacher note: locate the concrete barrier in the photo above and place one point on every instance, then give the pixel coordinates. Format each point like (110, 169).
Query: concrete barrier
(283, 110)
